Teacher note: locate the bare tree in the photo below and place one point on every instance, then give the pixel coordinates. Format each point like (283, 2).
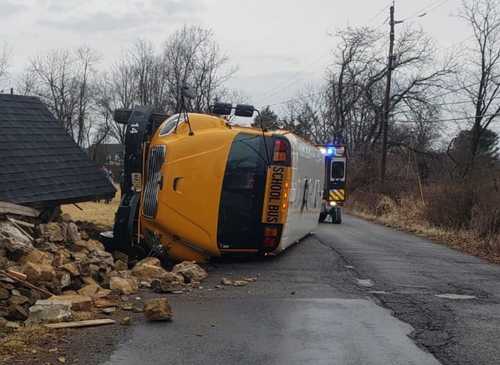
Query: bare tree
(64, 79)
(356, 81)
(4, 61)
(480, 81)
(192, 57)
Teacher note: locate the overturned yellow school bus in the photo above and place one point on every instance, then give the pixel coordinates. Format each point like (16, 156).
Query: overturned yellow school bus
(196, 186)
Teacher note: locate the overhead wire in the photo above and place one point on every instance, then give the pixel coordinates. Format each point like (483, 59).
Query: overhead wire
(423, 11)
(450, 119)
(426, 9)
(299, 74)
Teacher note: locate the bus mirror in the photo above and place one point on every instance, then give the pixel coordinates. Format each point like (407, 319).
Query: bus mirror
(187, 92)
(121, 116)
(222, 108)
(243, 110)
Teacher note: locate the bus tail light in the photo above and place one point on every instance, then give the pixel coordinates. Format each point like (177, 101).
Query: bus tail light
(271, 235)
(280, 150)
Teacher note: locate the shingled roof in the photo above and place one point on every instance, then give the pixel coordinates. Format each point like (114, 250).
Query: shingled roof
(40, 164)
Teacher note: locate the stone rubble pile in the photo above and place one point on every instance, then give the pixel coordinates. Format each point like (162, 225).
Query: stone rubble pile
(54, 272)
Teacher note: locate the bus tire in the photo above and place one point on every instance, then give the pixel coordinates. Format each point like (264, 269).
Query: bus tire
(322, 216)
(337, 217)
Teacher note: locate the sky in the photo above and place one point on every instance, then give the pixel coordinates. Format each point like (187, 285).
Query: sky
(279, 46)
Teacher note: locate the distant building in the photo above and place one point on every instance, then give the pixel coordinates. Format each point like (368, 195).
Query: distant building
(40, 164)
(109, 155)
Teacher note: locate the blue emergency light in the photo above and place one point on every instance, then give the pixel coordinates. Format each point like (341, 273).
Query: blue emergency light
(328, 151)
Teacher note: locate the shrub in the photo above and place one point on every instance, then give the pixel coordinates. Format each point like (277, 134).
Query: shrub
(449, 205)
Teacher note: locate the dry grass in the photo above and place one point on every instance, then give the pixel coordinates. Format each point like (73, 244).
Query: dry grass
(98, 213)
(408, 215)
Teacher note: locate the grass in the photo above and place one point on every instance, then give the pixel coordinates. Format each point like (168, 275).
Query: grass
(98, 213)
(408, 217)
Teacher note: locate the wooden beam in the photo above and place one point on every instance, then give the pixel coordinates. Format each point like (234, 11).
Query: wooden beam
(25, 283)
(16, 223)
(21, 223)
(10, 208)
(89, 323)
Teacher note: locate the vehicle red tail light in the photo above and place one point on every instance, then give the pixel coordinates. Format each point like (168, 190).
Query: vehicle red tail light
(280, 150)
(271, 235)
(270, 242)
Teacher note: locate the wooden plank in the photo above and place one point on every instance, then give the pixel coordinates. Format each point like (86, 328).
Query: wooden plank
(18, 226)
(21, 223)
(25, 283)
(10, 208)
(17, 274)
(89, 323)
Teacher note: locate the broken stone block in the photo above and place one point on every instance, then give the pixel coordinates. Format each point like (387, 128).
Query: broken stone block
(168, 283)
(83, 316)
(160, 286)
(77, 302)
(53, 232)
(39, 272)
(72, 268)
(72, 232)
(125, 286)
(47, 311)
(125, 321)
(64, 278)
(4, 293)
(148, 269)
(94, 291)
(109, 310)
(13, 240)
(88, 280)
(190, 270)
(18, 300)
(240, 283)
(89, 290)
(16, 313)
(226, 281)
(105, 303)
(157, 310)
(37, 257)
(121, 265)
(90, 245)
(250, 279)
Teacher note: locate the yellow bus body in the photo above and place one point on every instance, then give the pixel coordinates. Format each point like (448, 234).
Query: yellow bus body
(192, 177)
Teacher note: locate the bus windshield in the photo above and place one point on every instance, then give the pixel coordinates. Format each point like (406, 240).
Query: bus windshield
(242, 194)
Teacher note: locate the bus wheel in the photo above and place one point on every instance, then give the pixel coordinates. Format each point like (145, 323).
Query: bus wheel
(322, 216)
(337, 216)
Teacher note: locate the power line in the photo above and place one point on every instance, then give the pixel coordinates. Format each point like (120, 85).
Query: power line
(298, 76)
(379, 13)
(451, 119)
(426, 9)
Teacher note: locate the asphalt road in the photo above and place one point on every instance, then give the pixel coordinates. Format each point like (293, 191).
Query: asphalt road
(357, 293)
(412, 274)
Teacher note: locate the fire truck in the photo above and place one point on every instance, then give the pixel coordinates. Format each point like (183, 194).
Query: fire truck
(334, 195)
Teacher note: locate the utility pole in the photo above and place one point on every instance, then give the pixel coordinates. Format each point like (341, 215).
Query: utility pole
(385, 125)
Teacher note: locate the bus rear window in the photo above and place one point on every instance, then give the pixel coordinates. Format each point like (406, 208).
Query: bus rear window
(242, 194)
